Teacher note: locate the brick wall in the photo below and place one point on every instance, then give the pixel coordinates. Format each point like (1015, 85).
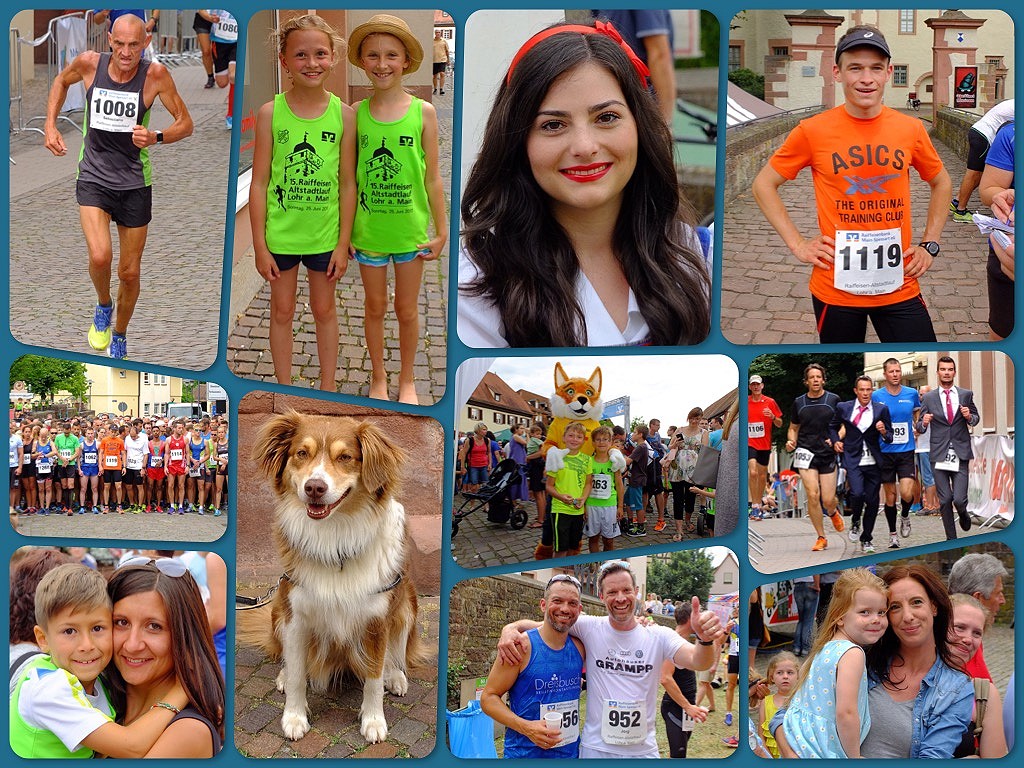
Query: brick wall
(420, 493)
(951, 127)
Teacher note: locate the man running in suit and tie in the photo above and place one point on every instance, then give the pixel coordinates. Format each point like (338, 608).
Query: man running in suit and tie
(864, 423)
(950, 412)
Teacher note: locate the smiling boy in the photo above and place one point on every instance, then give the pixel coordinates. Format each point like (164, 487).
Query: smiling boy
(60, 707)
(569, 488)
(865, 264)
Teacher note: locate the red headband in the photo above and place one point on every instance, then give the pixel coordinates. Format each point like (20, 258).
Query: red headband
(600, 28)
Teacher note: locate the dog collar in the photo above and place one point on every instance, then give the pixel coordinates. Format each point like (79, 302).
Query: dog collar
(398, 580)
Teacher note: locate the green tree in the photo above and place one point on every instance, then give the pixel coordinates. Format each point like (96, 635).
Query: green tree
(188, 390)
(784, 379)
(749, 81)
(682, 575)
(636, 421)
(46, 376)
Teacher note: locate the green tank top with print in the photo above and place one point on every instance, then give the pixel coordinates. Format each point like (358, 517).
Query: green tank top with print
(392, 210)
(303, 198)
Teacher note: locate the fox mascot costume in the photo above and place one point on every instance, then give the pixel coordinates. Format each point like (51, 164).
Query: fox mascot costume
(574, 399)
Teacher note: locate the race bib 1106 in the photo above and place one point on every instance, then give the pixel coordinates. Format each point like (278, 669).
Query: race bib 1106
(869, 262)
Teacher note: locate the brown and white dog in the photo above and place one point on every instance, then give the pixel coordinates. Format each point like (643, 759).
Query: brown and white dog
(345, 602)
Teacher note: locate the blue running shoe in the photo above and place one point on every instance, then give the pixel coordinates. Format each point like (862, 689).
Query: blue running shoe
(228, 122)
(118, 347)
(99, 333)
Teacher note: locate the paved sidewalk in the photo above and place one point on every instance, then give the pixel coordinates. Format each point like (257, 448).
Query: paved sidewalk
(788, 541)
(248, 341)
(52, 299)
(480, 543)
(765, 299)
(412, 719)
(156, 526)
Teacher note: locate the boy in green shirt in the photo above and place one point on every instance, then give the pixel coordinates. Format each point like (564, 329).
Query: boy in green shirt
(569, 488)
(604, 505)
(60, 707)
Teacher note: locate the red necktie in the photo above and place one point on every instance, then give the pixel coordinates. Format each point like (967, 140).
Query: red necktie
(860, 412)
(949, 408)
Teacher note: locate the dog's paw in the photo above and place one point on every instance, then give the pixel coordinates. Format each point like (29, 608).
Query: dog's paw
(396, 682)
(294, 724)
(374, 729)
(280, 681)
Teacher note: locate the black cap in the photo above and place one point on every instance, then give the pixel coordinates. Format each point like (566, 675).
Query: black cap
(868, 37)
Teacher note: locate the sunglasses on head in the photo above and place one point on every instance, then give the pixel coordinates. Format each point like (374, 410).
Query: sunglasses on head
(168, 566)
(565, 577)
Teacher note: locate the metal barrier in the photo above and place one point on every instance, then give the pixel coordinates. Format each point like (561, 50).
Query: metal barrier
(53, 66)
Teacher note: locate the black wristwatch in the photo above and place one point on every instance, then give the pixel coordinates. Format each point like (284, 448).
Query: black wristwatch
(932, 247)
(160, 140)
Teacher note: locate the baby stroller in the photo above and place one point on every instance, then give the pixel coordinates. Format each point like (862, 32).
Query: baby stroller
(496, 495)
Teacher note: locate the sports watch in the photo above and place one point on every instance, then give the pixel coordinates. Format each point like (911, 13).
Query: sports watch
(932, 247)
(160, 140)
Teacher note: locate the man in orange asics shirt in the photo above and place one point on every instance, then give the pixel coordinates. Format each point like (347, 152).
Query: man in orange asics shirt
(860, 154)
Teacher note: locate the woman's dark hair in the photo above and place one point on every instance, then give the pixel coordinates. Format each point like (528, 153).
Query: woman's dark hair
(528, 268)
(884, 656)
(26, 573)
(195, 660)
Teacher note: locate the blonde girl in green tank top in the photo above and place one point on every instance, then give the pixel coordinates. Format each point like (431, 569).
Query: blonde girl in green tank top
(303, 195)
(398, 186)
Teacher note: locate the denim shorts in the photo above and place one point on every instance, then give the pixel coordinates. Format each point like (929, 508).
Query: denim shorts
(382, 259)
(476, 475)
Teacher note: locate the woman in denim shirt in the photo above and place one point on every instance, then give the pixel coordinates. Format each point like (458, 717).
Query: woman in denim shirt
(920, 703)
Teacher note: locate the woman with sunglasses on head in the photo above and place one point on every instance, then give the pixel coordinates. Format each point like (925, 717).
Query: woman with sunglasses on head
(574, 231)
(161, 635)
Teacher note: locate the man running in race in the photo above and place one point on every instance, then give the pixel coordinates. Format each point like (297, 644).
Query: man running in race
(899, 465)
(860, 154)
(114, 175)
(175, 468)
(624, 660)
(68, 451)
(813, 455)
(763, 413)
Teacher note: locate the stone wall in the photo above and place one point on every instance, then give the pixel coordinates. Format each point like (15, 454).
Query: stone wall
(748, 147)
(420, 493)
(478, 610)
(951, 127)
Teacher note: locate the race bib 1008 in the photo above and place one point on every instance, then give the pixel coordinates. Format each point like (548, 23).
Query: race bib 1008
(869, 262)
(114, 111)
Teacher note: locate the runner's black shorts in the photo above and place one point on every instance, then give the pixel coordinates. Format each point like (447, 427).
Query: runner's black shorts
(128, 207)
(568, 529)
(68, 472)
(823, 464)
(977, 150)
(898, 465)
(223, 54)
(761, 457)
(1000, 297)
(112, 476)
(313, 262)
(905, 321)
(201, 25)
(439, 67)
